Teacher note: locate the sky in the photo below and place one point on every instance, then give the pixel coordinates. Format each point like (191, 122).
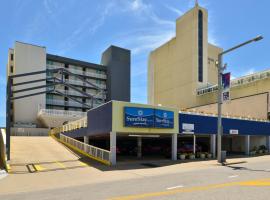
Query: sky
(83, 29)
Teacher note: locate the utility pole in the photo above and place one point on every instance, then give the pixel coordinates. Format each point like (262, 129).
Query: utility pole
(220, 88)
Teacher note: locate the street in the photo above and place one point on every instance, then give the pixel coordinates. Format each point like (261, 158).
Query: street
(249, 179)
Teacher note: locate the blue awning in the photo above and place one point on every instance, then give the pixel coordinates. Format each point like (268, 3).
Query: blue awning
(208, 125)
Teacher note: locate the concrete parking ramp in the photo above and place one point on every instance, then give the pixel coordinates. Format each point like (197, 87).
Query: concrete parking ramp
(32, 154)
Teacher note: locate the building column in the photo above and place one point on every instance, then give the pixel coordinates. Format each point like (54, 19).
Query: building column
(213, 145)
(194, 144)
(113, 148)
(139, 147)
(247, 144)
(85, 141)
(268, 143)
(174, 146)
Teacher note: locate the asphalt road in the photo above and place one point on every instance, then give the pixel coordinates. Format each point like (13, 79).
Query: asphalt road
(43, 169)
(243, 181)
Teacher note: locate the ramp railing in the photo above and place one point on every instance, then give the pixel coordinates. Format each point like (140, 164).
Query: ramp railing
(90, 151)
(93, 152)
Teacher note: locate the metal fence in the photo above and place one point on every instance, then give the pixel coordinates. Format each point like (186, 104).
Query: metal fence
(93, 152)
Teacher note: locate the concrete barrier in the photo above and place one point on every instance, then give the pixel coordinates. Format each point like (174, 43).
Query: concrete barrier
(29, 131)
(3, 163)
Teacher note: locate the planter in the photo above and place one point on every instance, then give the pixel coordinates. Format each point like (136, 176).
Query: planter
(252, 153)
(209, 155)
(192, 157)
(260, 151)
(266, 151)
(202, 156)
(182, 156)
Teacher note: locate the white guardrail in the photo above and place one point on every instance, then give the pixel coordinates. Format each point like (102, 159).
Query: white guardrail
(61, 113)
(96, 153)
(73, 125)
(237, 82)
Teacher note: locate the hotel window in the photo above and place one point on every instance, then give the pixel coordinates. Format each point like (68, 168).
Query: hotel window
(11, 69)
(11, 56)
(200, 46)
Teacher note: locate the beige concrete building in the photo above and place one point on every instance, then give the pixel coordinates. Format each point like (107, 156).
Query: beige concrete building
(52, 109)
(182, 73)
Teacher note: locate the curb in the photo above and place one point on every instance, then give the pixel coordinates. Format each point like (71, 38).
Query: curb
(3, 174)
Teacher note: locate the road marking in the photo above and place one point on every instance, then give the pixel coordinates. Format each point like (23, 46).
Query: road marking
(39, 167)
(8, 168)
(83, 164)
(60, 164)
(262, 182)
(175, 187)
(233, 176)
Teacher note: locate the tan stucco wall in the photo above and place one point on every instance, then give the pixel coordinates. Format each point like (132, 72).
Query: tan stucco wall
(29, 58)
(118, 120)
(251, 106)
(173, 73)
(173, 67)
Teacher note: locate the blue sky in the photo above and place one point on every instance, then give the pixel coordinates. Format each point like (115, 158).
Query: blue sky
(83, 29)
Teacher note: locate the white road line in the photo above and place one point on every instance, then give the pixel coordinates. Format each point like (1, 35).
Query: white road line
(174, 187)
(233, 176)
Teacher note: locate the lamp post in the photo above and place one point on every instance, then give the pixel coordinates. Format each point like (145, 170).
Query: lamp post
(220, 87)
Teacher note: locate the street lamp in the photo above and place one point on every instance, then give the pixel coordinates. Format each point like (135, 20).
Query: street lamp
(220, 71)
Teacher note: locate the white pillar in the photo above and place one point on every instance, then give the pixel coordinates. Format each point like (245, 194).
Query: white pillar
(113, 148)
(268, 143)
(86, 141)
(139, 147)
(174, 146)
(247, 144)
(194, 144)
(213, 145)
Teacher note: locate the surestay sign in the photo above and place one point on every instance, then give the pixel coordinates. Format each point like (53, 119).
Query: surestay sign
(148, 118)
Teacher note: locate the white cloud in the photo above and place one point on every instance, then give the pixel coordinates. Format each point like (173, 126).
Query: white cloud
(138, 5)
(175, 10)
(249, 71)
(151, 41)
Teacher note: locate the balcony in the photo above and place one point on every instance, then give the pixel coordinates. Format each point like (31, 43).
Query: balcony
(81, 83)
(76, 93)
(80, 72)
(54, 118)
(71, 103)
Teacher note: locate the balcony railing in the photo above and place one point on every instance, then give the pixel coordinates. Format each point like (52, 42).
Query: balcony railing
(61, 113)
(68, 103)
(76, 93)
(80, 72)
(81, 83)
(237, 82)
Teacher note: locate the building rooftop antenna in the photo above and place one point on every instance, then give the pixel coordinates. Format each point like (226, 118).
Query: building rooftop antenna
(196, 3)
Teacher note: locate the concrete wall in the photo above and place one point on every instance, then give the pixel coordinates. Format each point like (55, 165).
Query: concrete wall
(173, 74)
(29, 58)
(173, 67)
(30, 131)
(255, 106)
(117, 61)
